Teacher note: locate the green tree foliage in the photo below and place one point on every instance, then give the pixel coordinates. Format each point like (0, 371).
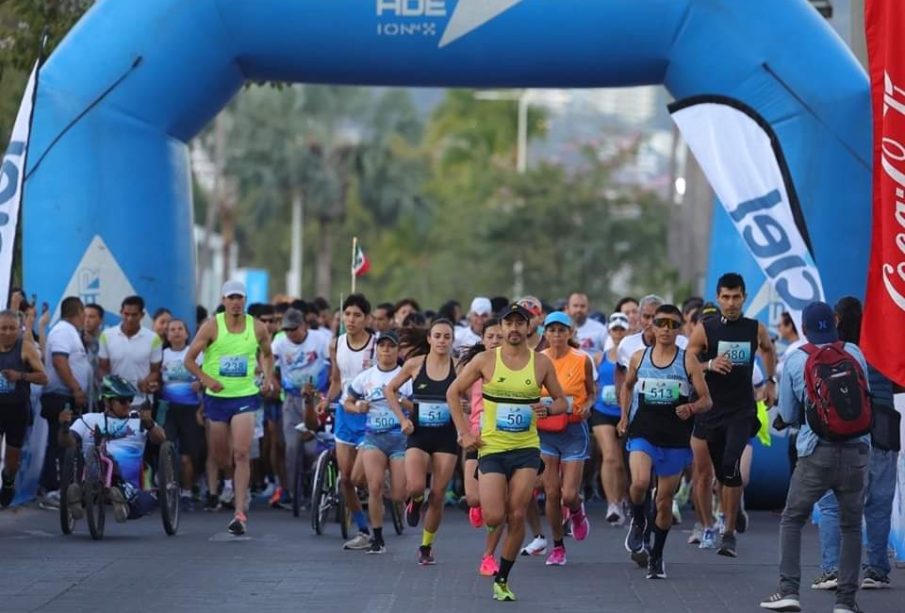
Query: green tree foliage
(22, 24)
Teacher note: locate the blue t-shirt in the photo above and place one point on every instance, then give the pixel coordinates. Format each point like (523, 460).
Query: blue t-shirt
(607, 402)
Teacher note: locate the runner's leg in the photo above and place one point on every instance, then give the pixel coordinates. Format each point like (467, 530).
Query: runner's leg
(242, 428)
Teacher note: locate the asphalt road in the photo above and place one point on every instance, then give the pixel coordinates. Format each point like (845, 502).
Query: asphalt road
(281, 565)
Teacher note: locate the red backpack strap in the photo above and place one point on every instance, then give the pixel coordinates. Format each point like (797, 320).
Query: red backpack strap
(809, 348)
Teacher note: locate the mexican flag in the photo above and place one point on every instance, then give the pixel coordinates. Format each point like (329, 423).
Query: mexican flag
(360, 263)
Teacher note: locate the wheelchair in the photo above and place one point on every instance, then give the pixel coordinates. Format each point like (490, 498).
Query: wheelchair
(94, 473)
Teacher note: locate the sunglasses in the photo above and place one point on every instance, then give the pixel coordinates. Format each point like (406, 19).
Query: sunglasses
(124, 400)
(667, 322)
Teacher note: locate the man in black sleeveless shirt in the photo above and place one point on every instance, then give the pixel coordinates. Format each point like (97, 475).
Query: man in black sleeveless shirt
(20, 365)
(726, 346)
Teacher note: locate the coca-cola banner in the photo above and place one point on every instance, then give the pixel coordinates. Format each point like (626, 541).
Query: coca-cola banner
(883, 331)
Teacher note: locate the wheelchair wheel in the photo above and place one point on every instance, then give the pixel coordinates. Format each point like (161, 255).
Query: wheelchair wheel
(343, 515)
(321, 494)
(168, 487)
(397, 512)
(71, 473)
(93, 494)
(298, 488)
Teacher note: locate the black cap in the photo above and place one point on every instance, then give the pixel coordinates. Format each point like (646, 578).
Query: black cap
(389, 335)
(516, 309)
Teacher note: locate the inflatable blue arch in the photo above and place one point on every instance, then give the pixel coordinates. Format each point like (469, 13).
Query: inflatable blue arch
(108, 196)
(134, 81)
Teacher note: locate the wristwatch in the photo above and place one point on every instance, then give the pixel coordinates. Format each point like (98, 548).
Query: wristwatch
(771, 380)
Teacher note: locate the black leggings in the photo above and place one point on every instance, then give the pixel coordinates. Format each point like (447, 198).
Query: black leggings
(726, 442)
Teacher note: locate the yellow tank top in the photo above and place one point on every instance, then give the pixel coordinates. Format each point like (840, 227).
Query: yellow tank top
(508, 421)
(570, 371)
(231, 360)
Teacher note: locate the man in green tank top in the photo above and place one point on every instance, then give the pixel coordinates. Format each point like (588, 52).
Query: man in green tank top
(509, 456)
(233, 343)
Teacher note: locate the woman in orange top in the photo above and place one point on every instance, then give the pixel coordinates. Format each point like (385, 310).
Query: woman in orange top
(564, 438)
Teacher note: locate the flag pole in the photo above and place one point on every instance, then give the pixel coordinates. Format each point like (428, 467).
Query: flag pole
(354, 253)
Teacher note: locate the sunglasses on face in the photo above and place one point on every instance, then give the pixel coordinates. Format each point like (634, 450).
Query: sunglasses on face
(666, 322)
(124, 401)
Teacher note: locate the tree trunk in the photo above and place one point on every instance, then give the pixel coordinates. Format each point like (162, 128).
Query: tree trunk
(323, 260)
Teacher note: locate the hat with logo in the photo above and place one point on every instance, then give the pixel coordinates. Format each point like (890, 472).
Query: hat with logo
(516, 309)
(558, 317)
(292, 319)
(481, 306)
(618, 320)
(389, 335)
(233, 288)
(532, 304)
(819, 323)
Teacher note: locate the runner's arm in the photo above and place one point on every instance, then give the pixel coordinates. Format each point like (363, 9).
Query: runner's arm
(548, 380)
(265, 357)
(335, 388)
(628, 388)
(463, 382)
(391, 391)
(32, 358)
(768, 355)
(590, 386)
(703, 402)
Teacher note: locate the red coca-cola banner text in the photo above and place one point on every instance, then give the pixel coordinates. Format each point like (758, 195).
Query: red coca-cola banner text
(883, 327)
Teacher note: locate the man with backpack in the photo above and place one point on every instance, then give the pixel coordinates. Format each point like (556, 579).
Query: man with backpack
(825, 390)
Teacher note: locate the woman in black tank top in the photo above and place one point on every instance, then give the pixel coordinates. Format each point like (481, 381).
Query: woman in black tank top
(432, 446)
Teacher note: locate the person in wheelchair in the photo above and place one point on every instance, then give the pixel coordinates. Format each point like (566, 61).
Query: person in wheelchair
(125, 432)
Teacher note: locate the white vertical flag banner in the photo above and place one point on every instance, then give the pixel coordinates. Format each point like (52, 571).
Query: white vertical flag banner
(744, 163)
(12, 179)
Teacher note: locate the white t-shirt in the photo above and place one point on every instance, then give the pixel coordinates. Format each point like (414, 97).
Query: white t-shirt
(631, 344)
(464, 337)
(65, 340)
(351, 363)
(130, 356)
(177, 380)
(592, 336)
(300, 363)
(126, 444)
(369, 385)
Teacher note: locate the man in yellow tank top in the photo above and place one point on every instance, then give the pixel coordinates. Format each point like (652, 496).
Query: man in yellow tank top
(508, 444)
(231, 342)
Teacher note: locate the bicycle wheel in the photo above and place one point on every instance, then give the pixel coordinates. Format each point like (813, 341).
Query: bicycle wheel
(168, 487)
(93, 494)
(71, 473)
(321, 498)
(298, 487)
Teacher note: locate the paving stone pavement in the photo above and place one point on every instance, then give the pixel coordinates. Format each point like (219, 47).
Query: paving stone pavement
(283, 566)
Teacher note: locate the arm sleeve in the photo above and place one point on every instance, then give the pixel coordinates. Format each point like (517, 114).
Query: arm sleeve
(789, 403)
(156, 350)
(103, 352)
